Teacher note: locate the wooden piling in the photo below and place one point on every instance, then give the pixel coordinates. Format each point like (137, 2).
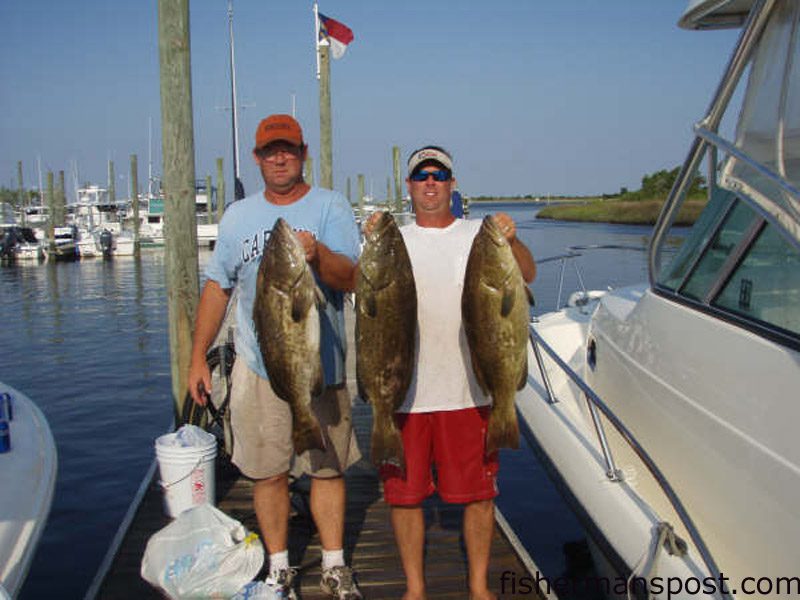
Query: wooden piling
(308, 171)
(325, 136)
(209, 190)
(61, 199)
(112, 186)
(360, 192)
(220, 190)
(135, 202)
(51, 207)
(21, 201)
(349, 192)
(398, 179)
(180, 231)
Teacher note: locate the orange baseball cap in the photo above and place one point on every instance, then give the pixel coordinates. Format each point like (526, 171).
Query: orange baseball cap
(278, 127)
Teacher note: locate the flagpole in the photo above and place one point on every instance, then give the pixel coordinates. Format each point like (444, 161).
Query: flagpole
(316, 35)
(325, 136)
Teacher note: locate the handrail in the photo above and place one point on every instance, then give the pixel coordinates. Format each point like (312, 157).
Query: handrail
(537, 340)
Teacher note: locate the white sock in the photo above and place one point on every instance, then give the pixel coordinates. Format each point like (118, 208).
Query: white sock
(278, 561)
(332, 558)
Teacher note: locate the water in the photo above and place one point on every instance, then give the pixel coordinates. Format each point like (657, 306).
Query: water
(88, 343)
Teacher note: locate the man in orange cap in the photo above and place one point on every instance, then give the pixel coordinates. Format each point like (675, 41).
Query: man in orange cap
(323, 222)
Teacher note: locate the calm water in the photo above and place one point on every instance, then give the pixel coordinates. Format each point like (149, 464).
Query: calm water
(88, 342)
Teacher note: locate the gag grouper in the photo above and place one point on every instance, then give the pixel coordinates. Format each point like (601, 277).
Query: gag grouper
(386, 324)
(494, 309)
(288, 331)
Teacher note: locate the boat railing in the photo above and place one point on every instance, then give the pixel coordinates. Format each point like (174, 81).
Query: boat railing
(675, 545)
(569, 257)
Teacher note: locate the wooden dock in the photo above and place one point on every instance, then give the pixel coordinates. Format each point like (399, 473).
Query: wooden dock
(369, 539)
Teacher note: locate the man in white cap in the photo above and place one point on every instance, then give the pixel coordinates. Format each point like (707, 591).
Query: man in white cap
(443, 419)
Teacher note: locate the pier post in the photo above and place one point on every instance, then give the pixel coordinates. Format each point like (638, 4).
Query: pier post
(51, 207)
(135, 202)
(388, 192)
(112, 186)
(61, 199)
(349, 192)
(180, 230)
(398, 179)
(325, 136)
(308, 171)
(21, 202)
(220, 190)
(360, 192)
(209, 189)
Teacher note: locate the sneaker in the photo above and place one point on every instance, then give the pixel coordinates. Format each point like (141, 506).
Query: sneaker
(281, 586)
(340, 583)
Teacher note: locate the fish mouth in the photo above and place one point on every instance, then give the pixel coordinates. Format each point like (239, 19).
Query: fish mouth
(495, 233)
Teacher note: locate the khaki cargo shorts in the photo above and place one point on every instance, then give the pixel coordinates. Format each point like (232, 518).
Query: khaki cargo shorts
(262, 430)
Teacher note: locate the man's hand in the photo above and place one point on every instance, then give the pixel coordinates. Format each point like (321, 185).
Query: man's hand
(309, 243)
(200, 381)
(506, 225)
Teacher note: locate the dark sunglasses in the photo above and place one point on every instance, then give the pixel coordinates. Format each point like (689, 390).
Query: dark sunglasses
(440, 175)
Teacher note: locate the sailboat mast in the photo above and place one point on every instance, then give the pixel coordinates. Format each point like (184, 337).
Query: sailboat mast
(238, 188)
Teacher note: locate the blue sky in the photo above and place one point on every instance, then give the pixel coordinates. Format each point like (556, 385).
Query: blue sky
(531, 97)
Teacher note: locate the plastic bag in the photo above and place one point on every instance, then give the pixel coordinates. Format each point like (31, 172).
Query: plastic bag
(202, 554)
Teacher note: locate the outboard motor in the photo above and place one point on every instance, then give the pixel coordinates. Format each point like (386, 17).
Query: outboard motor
(106, 243)
(7, 242)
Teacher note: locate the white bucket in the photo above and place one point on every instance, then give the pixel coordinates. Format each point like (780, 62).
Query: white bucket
(187, 472)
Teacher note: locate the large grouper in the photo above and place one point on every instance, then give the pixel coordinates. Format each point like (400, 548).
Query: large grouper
(494, 308)
(287, 324)
(386, 325)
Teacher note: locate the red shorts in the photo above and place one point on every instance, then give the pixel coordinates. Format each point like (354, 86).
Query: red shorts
(455, 441)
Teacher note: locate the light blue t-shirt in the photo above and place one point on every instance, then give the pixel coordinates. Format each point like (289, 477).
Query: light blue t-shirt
(243, 234)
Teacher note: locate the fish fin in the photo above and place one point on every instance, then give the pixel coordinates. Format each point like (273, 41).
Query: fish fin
(280, 390)
(322, 301)
(308, 438)
(523, 376)
(529, 294)
(503, 430)
(387, 443)
(319, 384)
(478, 373)
(370, 305)
(508, 301)
(301, 302)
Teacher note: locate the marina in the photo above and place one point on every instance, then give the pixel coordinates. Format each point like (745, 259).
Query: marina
(649, 381)
(105, 323)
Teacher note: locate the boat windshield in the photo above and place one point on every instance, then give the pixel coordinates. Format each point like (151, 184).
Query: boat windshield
(741, 260)
(768, 131)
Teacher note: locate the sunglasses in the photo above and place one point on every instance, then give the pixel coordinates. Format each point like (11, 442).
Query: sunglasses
(440, 175)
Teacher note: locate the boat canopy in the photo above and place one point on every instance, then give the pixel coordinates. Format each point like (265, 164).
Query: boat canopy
(715, 14)
(768, 129)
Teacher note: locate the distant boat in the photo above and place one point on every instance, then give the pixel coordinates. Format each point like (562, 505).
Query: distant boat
(20, 244)
(28, 481)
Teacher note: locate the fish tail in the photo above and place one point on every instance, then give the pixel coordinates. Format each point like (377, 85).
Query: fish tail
(387, 443)
(308, 437)
(503, 430)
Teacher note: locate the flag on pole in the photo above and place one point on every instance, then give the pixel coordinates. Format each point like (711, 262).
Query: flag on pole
(333, 33)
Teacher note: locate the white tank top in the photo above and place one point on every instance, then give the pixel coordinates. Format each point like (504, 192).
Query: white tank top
(443, 377)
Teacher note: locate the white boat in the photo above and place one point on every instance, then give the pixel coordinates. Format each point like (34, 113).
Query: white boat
(668, 410)
(28, 471)
(151, 220)
(20, 244)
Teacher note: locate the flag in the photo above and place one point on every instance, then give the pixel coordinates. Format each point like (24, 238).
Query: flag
(337, 34)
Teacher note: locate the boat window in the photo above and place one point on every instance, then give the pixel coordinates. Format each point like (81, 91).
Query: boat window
(674, 272)
(724, 242)
(766, 284)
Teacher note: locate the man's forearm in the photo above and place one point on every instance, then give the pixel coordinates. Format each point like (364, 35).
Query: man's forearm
(210, 313)
(334, 269)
